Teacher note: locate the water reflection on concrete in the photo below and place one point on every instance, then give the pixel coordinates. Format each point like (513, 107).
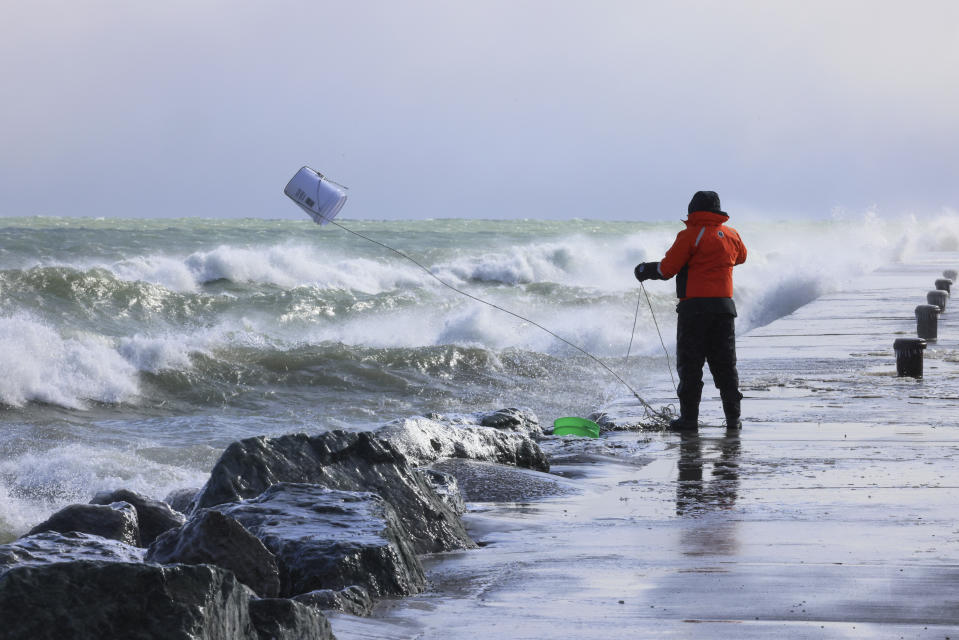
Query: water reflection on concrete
(694, 495)
(707, 502)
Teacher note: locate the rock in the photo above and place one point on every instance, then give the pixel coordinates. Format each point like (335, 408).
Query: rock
(154, 516)
(327, 539)
(339, 460)
(280, 619)
(181, 499)
(117, 521)
(424, 441)
(354, 600)
(52, 546)
(214, 538)
(91, 600)
(521, 420)
(489, 482)
(448, 489)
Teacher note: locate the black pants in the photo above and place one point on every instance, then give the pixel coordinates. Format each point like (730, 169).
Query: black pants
(707, 337)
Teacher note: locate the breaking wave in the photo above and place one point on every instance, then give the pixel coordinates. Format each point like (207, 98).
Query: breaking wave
(83, 330)
(42, 365)
(133, 351)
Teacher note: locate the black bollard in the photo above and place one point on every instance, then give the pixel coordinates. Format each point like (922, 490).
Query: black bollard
(952, 274)
(944, 284)
(938, 298)
(909, 356)
(927, 321)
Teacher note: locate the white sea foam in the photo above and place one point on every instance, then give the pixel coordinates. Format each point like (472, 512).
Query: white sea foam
(172, 273)
(283, 265)
(159, 353)
(590, 299)
(36, 483)
(789, 265)
(41, 365)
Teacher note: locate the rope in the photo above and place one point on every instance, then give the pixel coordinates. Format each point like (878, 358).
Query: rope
(669, 365)
(633, 333)
(657, 418)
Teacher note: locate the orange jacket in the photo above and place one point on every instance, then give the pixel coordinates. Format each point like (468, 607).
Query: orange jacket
(703, 256)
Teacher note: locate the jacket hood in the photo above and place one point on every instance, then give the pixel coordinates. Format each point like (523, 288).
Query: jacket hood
(706, 217)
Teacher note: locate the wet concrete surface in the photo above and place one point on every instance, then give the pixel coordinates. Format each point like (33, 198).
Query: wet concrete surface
(833, 514)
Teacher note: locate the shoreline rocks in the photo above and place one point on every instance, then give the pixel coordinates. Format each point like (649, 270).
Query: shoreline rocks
(330, 521)
(153, 517)
(423, 441)
(214, 538)
(182, 500)
(49, 547)
(95, 599)
(343, 461)
(281, 619)
(354, 600)
(115, 521)
(491, 482)
(327, 539)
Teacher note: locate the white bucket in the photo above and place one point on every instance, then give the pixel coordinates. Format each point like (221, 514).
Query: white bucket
(315, 194)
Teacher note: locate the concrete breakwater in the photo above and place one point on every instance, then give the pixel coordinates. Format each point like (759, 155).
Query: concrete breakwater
(284, 529)
(831, 515)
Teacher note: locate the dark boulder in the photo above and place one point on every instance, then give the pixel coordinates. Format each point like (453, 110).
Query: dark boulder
(117, 521)
(279, 619)
(339, 460)
(448, 489)
(326, 539)
(153, 516)
(512, 419)
(354, 600)
(423, 441)
(52, 546)
(182, 500)
(489, 482)
(95, 600)
(214, 538)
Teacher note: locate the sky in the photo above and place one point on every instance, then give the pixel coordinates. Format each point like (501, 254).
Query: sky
(481, 109)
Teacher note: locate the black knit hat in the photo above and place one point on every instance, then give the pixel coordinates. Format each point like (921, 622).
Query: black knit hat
(706, 201)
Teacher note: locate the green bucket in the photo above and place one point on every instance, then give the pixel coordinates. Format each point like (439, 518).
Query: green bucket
(575, 427)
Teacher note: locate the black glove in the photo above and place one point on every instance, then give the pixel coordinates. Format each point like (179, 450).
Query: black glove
(647, 271)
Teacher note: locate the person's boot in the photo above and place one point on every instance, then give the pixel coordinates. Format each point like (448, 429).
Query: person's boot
(731, 407)
(688, 419)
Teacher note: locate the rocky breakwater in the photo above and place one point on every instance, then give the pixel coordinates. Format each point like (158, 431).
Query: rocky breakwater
(507, 436)
(74, 584)
(284, 528)
(328, 539)
(343, 461)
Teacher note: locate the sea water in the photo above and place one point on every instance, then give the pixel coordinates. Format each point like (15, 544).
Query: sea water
(133, 351)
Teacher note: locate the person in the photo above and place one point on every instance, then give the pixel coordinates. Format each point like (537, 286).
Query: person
(702, 260)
